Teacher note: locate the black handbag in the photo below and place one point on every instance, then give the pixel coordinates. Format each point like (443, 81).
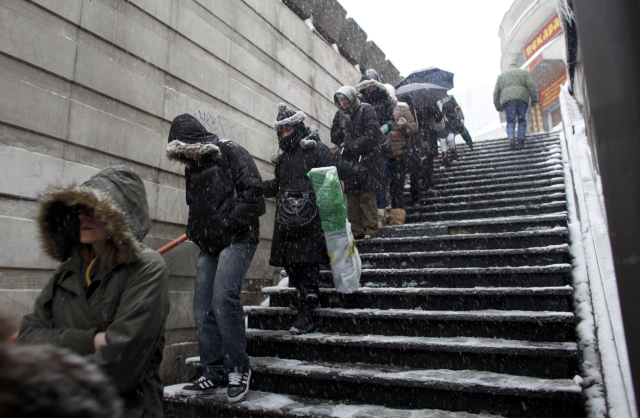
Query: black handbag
(415, 156)
(296, 210)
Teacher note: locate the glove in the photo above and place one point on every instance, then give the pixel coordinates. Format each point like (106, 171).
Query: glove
(384, 129)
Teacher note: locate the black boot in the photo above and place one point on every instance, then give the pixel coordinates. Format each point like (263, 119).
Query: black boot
(304, 321)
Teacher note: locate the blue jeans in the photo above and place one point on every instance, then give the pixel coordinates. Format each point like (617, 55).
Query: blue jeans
(381, 195)
(218, 311)
(516, 110)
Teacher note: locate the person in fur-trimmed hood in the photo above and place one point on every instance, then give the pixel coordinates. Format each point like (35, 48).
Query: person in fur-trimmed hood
(375, 93)
(301, 249)
(225, 199)
(108, 300)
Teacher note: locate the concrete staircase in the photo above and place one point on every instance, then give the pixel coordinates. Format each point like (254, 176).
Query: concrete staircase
(465, 310)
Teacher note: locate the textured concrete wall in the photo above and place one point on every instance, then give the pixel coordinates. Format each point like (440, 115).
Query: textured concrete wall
(85, 84)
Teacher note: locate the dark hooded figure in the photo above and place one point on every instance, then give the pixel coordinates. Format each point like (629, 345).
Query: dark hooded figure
(225, 198)
(375, 93)
(302, 250)
(356, 131)
(108, 300)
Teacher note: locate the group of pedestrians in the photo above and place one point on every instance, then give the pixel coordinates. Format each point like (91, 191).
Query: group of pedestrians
(108, 299)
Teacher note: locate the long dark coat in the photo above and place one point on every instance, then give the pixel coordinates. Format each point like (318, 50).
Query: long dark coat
(291, 173)
(364, 131)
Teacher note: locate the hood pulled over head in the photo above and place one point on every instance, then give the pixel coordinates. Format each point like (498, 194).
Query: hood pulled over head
(351, 95)
(188, 135)
(118, 198)
(290, 118)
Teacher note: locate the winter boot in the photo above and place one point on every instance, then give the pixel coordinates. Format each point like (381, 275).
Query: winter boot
(382, 218)
(446, 163)
(397, 217)
(454, 154)
(512, 144)
(304, 321)
(521, 144)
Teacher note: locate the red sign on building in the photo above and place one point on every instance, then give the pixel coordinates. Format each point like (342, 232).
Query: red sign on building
(544, 35)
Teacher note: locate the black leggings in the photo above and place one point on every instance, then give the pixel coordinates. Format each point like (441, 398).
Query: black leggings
(304, 277)
(397, 175)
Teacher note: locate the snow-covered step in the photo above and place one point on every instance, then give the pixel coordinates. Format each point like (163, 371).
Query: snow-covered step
(513, 325)
(540, 159)
(520, 239)
(503, 143)
(445, 176)
(526, 276)
(431, 197)
(267, 404)
(523, 358)
(481, 153)
(465, 390)
(436, 299)
(533, 256)
(490, 188)
(515, 178)
(452, 213)
(487, 203)
(477, 226)
(509, 158)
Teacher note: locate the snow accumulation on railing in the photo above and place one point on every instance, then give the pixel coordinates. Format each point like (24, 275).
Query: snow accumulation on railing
(605, 369)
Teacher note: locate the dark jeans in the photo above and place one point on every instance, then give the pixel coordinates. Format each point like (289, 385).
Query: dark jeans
(516, 110)
(381, 195)
(218, 311)
(397, 176)
(419, 182)
(304, 277)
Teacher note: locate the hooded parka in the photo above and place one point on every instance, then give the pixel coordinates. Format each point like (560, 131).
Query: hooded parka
(302, 151)
(128, 296)
(378, 98)
(224, 188)
(357, 130)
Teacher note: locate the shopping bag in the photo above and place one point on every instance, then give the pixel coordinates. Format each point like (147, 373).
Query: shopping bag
(346, 265)
(329, 198)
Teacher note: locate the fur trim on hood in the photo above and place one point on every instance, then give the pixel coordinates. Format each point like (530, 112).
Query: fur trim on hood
(109, 193)
(369, 83)
(296, 118)
(176, 150)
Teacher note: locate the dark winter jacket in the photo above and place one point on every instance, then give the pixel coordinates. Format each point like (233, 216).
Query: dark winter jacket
(291, 170)
(129, 299)
(514, 84)
(379, 99)
(452, 113)
(358, 131)
(224, 187)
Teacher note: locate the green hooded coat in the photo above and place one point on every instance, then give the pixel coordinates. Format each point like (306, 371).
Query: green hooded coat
(514, 84)
(129, 295)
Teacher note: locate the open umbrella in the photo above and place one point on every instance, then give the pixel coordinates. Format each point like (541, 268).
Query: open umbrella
(421, 95)
(430, 75)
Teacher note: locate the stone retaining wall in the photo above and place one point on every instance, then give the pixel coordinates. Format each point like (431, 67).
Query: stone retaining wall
(85, 84)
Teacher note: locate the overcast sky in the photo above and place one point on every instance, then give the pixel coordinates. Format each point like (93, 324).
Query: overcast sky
(460, 36)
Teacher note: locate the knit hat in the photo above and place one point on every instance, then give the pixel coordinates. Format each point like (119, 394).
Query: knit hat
(288, 117)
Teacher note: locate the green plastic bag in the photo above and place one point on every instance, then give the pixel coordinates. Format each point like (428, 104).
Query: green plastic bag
(329, 198)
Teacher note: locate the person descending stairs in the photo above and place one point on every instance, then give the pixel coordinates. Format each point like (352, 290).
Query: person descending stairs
(464, 311)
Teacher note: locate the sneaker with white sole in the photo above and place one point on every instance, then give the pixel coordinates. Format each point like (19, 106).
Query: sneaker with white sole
(204, 385)
(238, 386)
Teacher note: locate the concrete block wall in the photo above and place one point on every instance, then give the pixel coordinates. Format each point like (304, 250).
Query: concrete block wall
(85, 84)
(329, 19)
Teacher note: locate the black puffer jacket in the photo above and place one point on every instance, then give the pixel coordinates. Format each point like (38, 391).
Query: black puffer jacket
(452, 113)
(379, 99)
(359, 132)
(224, 187)
(291, 170)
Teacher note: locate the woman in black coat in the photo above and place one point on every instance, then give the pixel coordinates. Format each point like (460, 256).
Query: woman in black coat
(302, 251)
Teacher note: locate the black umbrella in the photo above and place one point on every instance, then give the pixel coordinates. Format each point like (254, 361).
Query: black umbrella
(421, 95)
(430, 75)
